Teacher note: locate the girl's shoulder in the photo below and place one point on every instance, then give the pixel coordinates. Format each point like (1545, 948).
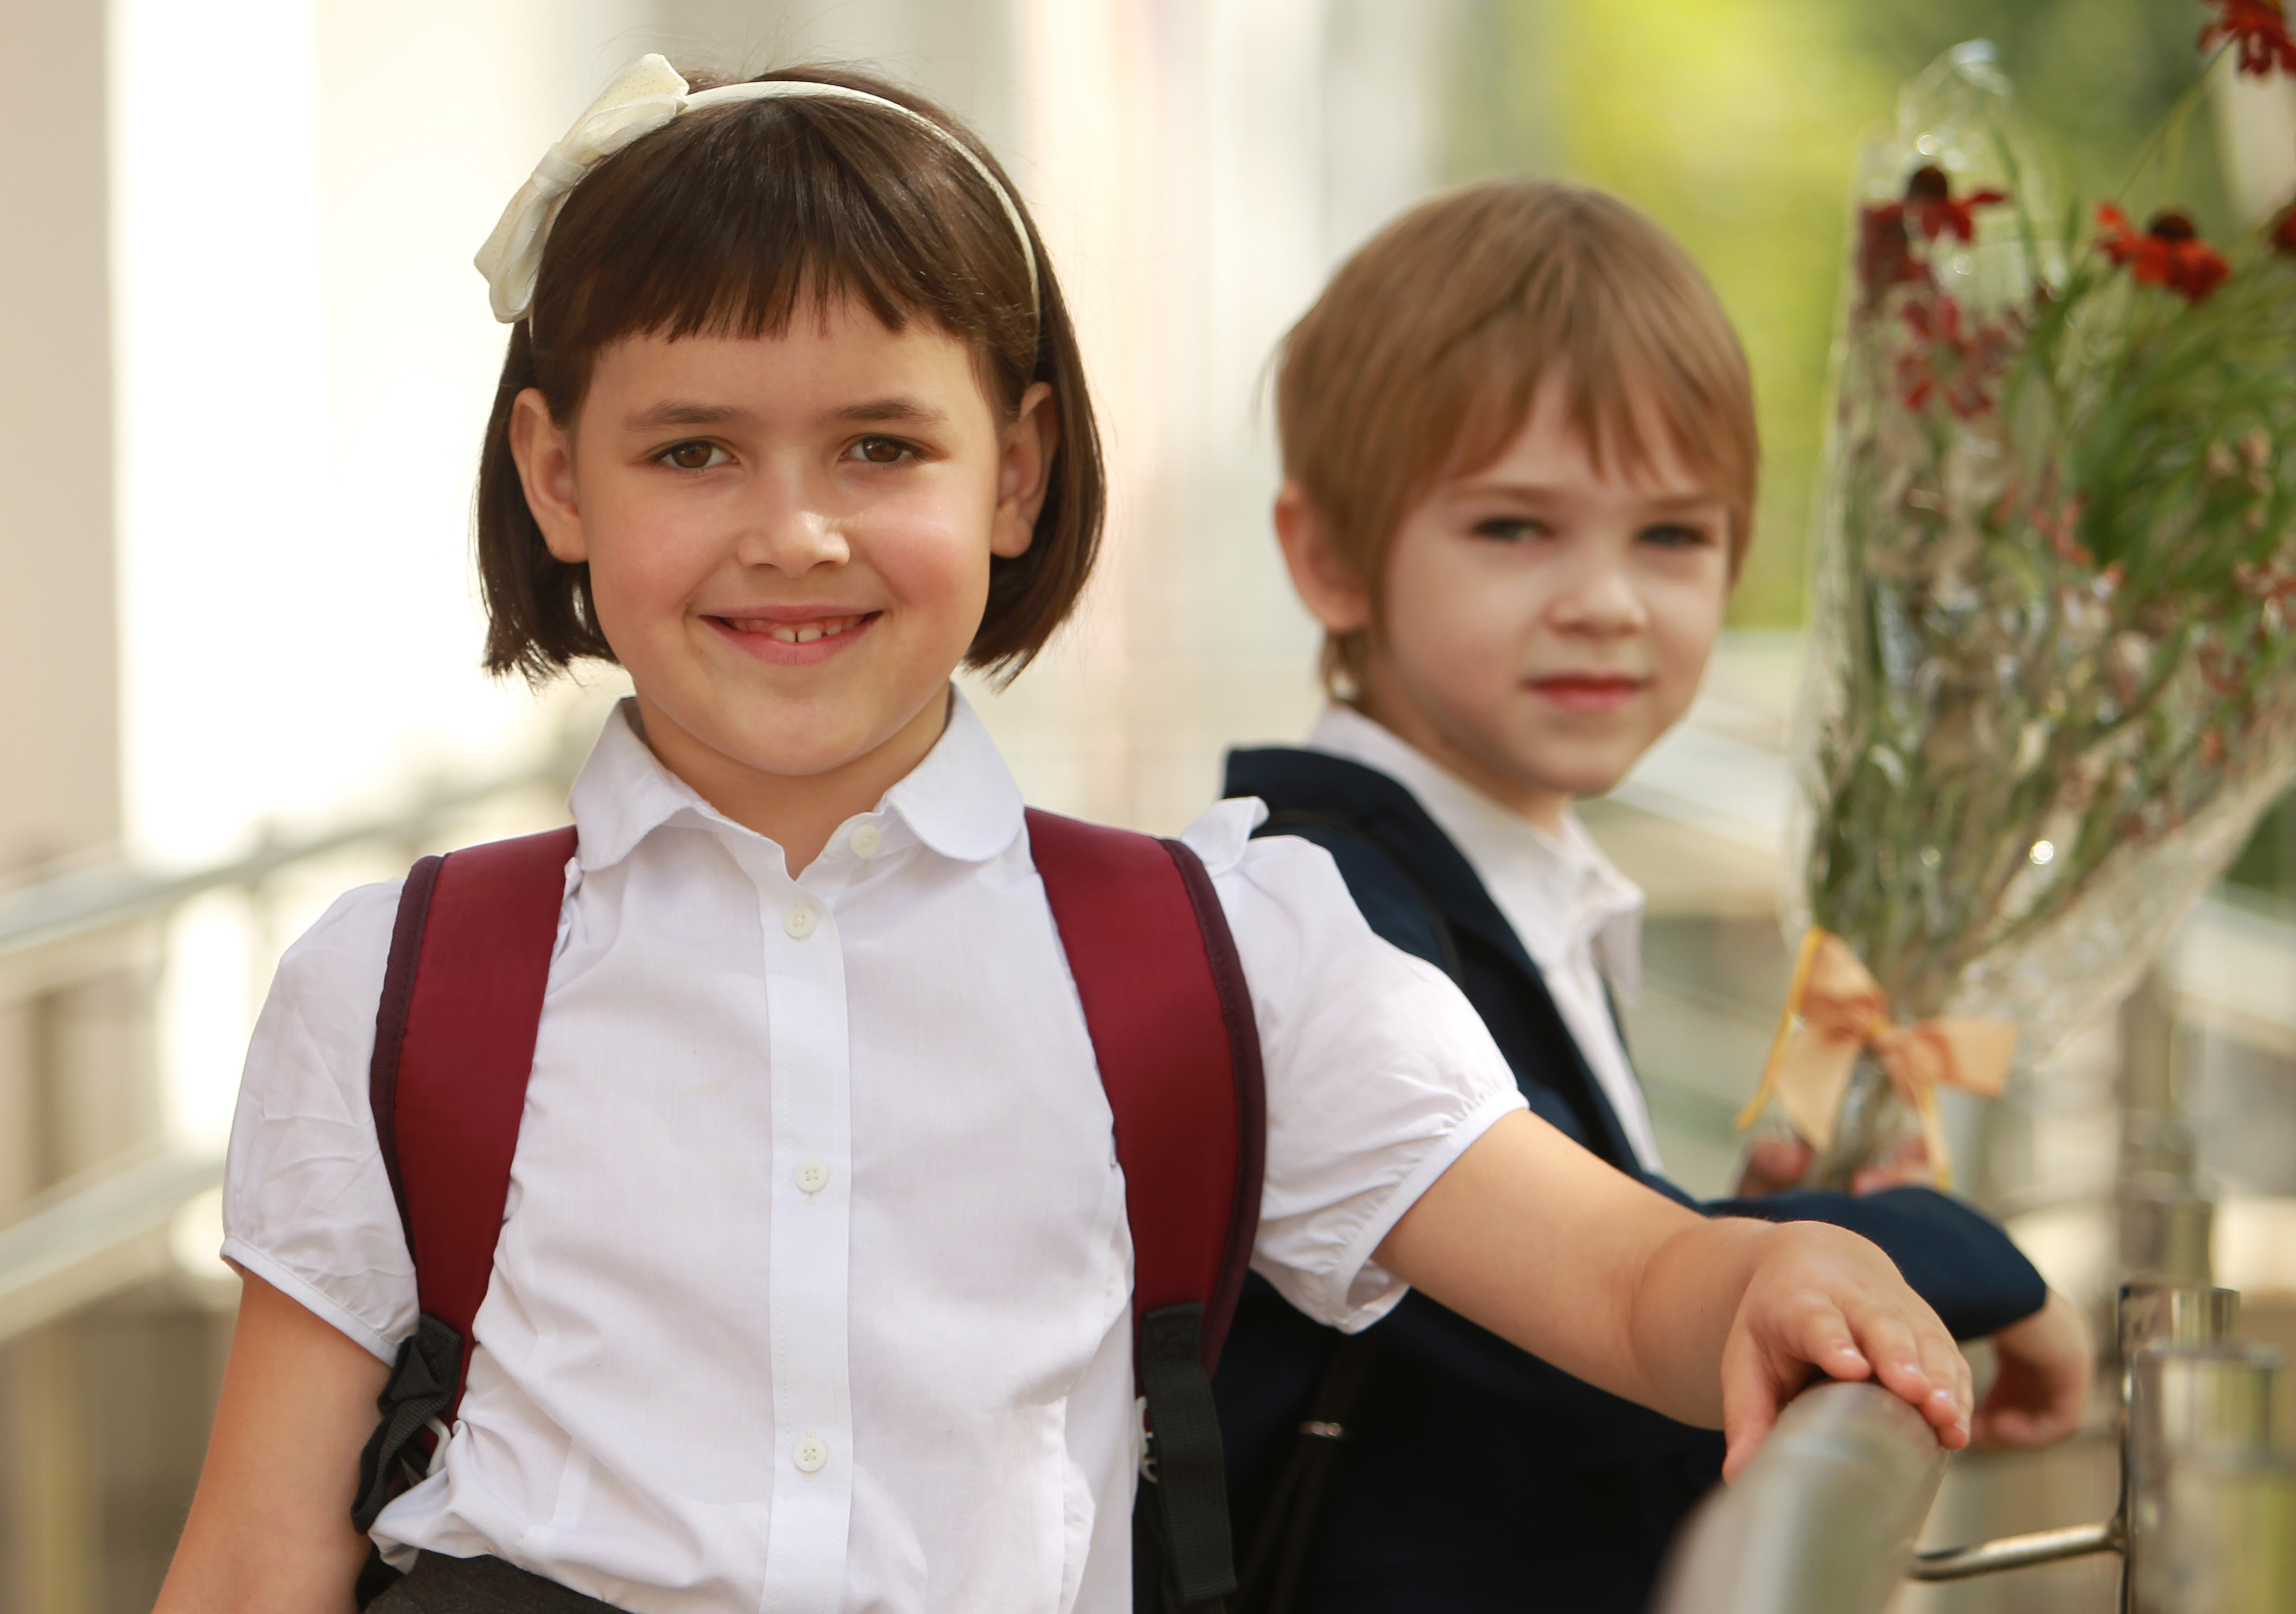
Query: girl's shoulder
(307, 1205)
(344, 952)
(1285, 870)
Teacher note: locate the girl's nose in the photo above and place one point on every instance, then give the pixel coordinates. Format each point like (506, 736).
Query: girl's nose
(784, 526)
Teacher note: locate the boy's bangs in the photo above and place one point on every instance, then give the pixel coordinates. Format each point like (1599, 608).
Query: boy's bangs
(1640, 383)
(1634, 411)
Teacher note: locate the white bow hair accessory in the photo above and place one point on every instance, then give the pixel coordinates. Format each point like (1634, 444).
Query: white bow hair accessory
(648, 95)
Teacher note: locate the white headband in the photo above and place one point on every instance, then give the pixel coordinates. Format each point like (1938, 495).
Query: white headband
(647, 95)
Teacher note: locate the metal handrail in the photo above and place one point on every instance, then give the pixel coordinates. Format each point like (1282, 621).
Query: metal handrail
(107, 1228)
(88, 1237)
(64, 906)
(1822, 1522)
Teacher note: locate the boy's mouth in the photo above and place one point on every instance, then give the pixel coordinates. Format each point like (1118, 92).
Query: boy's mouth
(1591, 692)
(789, 638)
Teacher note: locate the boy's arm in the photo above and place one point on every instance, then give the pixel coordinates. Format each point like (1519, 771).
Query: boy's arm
(270, 1527)
(1715, 1323)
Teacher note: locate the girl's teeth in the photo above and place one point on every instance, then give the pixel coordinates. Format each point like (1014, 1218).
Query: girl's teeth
(806, 635)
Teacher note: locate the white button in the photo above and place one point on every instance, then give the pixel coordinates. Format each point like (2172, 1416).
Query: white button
(811, 1453)
(867, 840)
(799, 922)
(813, 1176)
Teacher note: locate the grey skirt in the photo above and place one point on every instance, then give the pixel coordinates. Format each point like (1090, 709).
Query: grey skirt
(480, 1585)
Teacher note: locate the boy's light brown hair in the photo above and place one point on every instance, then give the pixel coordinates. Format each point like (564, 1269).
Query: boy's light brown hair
(1422, 357)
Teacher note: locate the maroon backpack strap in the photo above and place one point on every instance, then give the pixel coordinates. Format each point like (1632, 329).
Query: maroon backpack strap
(1170, 1017)
(454, 1044)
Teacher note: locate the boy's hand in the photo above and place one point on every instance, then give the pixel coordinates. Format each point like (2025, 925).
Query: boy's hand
(1775, 1164)
(1824, 1300)
(2048, 1362)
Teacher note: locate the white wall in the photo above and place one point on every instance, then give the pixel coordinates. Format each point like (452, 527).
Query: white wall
(58, 747)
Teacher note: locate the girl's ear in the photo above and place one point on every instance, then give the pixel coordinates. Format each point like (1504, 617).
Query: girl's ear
(545, 470)
(1024, 472)
(1328, 581)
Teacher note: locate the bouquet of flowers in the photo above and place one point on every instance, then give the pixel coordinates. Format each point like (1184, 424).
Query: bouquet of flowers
(2052, 680)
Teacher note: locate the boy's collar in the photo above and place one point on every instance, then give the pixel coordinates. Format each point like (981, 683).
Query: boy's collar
(961, 801)
(1503, 847)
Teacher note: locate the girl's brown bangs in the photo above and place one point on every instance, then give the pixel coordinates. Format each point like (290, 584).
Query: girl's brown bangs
(759, 212)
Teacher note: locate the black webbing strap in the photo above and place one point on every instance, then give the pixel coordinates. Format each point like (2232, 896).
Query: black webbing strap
(1277, 1565)
(1190, 1512)
(421, 1383)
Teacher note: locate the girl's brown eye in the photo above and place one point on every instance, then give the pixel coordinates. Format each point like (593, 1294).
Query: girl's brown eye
(690, 456)
(881, 450)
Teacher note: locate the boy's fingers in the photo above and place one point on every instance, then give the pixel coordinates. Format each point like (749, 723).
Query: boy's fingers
(1773, 1165)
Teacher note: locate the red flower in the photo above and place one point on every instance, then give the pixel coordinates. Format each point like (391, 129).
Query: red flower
(1885, 246)
(2259, 28)
(2282, 236)
(1930, 203)
(1885, 254)
(2169, 253)
(1946, 360)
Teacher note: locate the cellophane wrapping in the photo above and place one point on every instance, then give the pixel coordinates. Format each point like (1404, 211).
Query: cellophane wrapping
(2051, 681)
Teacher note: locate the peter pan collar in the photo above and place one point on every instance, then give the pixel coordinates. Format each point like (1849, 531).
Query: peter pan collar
(961, 801)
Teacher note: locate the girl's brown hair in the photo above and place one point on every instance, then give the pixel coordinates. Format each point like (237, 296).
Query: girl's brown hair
(1423, 356)
(732, 220)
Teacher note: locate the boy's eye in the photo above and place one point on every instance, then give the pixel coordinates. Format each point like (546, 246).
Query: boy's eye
(883, 451)
(693, 457)
(1510, 529)
(1677, 535)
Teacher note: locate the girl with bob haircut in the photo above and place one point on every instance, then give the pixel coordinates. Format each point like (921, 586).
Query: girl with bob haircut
(813, 1287)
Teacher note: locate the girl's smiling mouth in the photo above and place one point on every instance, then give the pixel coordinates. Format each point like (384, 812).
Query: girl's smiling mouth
(792, 636)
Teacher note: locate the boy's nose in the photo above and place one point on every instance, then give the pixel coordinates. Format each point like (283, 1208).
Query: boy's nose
(1598, 596)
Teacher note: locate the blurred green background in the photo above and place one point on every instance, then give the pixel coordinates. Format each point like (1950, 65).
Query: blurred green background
(1736, 124)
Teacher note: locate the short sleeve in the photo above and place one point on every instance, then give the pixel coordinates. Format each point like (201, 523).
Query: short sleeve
(1380, 1072)
(306, 1203)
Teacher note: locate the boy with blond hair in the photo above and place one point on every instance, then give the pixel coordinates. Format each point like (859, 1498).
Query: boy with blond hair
(1520, 459)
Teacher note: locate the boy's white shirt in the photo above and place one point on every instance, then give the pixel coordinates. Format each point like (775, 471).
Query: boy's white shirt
(673, 1320)
(1578, 918)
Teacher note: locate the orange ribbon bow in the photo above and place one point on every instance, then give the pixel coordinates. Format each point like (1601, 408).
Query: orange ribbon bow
(1835, 1010)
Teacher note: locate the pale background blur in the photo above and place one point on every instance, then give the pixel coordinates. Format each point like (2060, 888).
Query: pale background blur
(243, 366)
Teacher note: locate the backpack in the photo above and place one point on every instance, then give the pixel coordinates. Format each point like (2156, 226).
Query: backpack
(1172, 1029)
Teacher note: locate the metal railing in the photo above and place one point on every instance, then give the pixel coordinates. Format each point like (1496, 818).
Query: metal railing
(106, 1228)
(1825, 1517)
(1822, 1522)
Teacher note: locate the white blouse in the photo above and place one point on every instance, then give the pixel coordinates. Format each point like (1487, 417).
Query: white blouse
(813, 1289)
(1578, 918)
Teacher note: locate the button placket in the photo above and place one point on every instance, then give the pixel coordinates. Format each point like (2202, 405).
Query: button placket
(807, 1264)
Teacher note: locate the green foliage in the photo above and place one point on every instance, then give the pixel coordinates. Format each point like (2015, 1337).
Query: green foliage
(1736, 124)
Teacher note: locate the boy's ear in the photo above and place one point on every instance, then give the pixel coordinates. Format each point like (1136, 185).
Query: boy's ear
(545, 470)
(1328, 583)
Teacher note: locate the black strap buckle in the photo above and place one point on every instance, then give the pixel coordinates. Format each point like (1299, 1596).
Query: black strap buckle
(422, 1384)
(1186, 1523)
